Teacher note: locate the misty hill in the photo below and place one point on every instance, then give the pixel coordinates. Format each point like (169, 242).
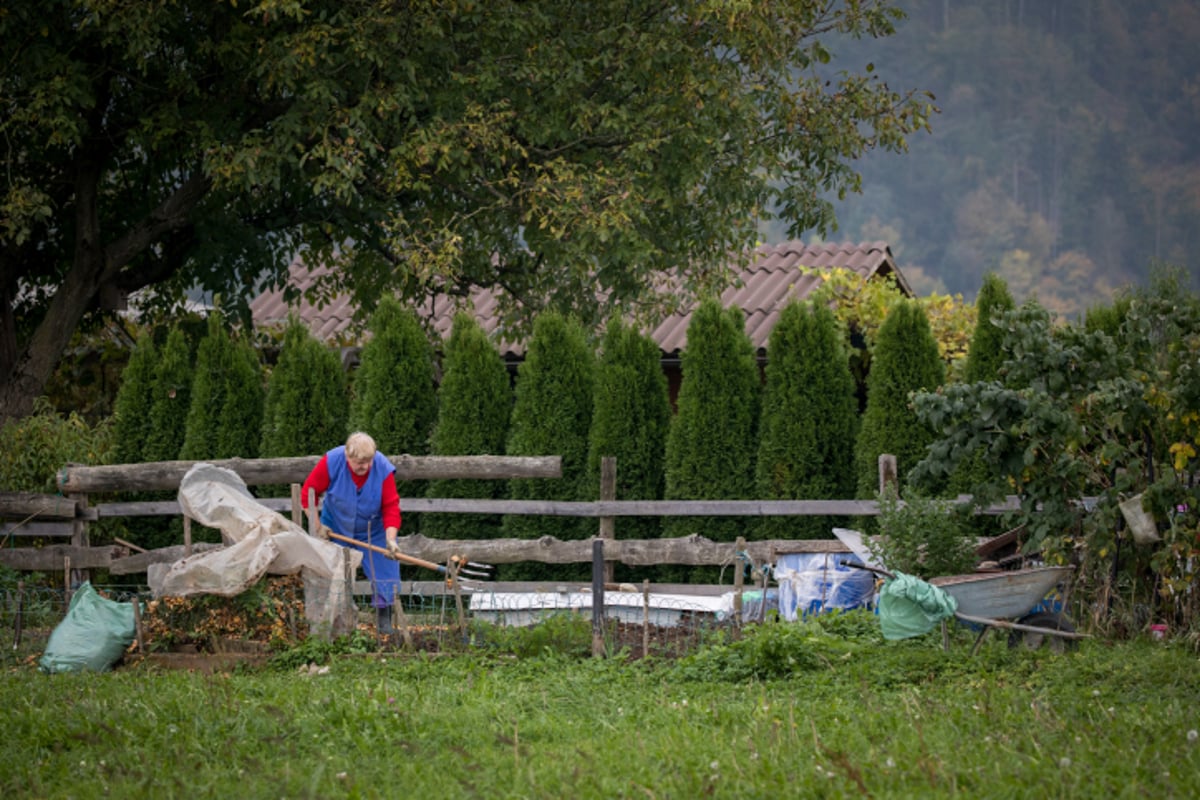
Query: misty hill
(1066, 155)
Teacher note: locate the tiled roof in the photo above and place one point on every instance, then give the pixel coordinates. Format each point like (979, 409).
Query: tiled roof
(762, 290)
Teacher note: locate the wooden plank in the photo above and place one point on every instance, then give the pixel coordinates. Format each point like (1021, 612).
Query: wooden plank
(52, 557)
(138, 562)
(33, 505)
(36, 529)
(254, 471)
(689, 550)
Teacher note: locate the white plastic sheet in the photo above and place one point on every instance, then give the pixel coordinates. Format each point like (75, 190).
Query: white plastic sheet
(258, 542)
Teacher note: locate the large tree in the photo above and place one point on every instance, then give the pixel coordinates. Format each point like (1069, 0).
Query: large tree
(548, 149)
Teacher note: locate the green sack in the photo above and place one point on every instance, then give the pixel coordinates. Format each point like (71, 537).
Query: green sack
(92, 636)
(909, 606)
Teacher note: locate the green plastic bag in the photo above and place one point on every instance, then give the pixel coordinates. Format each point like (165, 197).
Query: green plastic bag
(92, 636)
(908, 606)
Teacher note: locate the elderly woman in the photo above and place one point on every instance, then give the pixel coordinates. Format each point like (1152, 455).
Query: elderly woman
(358, 487)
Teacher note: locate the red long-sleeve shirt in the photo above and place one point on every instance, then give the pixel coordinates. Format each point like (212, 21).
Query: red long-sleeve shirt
(389, 504)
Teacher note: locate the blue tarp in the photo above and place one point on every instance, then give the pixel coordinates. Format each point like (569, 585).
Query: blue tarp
(812, 583)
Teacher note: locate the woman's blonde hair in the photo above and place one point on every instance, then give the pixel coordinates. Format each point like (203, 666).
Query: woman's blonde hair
(360, 446)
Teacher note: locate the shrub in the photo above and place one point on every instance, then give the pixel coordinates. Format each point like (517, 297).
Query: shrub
(986, 353)
(225, 412)
(134, 402)
(711, 443)
(809, 420)
(922, 536)
(551, 415)
(905, 361)
(172, 399)
(630, 419)
(474, 404)
(305, 407)
(33, 449)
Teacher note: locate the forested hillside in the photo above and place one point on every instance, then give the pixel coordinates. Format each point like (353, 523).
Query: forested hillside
(1066, 154)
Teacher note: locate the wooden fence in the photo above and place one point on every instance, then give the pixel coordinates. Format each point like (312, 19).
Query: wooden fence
(68, 516)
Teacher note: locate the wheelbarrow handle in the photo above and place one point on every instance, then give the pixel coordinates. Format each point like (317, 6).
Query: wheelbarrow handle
(876, 570)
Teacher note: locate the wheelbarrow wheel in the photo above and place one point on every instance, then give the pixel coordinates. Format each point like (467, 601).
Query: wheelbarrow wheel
(1029, 640)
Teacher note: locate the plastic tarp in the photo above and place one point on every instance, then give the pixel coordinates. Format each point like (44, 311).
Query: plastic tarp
(811, 583)
(909, 606)
(92, 636)
(258, 541)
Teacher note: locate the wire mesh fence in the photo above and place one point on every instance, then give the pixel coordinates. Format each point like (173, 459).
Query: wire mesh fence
(270, 618)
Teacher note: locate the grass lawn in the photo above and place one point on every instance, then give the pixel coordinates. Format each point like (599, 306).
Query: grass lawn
(791, 711)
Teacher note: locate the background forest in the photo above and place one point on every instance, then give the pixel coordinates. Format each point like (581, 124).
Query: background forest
(1065, 156)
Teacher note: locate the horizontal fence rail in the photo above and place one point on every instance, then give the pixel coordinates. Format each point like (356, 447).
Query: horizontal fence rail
(157, 475)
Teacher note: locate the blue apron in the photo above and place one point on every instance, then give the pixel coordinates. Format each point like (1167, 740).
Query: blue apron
(355, 512)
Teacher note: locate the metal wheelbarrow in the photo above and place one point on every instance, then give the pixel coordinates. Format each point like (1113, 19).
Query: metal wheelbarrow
(994, 599)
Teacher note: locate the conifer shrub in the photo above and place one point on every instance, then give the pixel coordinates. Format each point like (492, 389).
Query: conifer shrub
(135, 398)
(631, 415)
(474, 404)
(393, 395)
(306, 406)
(240, 431)
(905, 361)
(985, 356)
(225, 412)
(712, 440)
(809, 420)
(172, 398)
(986, 352)
(552, 415)
(225, 409)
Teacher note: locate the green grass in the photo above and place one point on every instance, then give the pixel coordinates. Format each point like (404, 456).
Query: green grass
(843, 715)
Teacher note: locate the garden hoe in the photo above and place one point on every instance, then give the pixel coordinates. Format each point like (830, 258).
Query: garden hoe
(465, 571)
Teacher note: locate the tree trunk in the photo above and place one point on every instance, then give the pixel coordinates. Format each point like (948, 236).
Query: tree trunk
(92, 267)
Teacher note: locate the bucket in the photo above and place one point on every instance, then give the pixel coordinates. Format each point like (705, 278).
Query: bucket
(1141, 524)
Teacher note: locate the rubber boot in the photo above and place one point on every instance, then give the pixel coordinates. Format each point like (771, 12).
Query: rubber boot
(383, 619)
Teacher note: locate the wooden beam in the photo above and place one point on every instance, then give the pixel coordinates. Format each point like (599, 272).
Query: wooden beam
(52, 557)
(689, 550)
(37, 529)
(32, 505)
(163, 555)
(168, 474)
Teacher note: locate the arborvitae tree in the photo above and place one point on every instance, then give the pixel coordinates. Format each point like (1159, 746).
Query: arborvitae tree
(208, 392)
(474, 404)
(631, 415)
(984, 358)
(394, 395)
(306, 402)
(172, 398)
(986, 354)
(225, 417)
(134, 399)
(241, 415)
(552, 414)
(906, 359)
(809, 420)
(713, 437)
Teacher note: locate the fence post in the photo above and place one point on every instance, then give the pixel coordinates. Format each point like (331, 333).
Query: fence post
(187, 536)
(608, 491)
(79, 536)
(296, 511)
(887, 472)
(597, 597)
(137, 625)
(738, 580)
(646, 618)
